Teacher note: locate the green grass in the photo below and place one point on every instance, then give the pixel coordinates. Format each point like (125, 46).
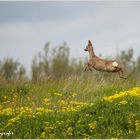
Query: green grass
(96, 119)
(88, 89)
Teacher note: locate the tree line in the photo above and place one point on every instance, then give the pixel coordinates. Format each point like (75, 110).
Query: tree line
(56, 63)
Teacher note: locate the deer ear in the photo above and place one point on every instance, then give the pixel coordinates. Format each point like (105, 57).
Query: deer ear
(89, 42)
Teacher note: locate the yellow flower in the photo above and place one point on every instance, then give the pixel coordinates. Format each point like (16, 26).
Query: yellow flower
(70, 106)
(93, 125)
(25, 111)
(86, 136)
(137, 124)
(69, 131)
(62, 102)
(119, 133)
(14, 120)
(42, 110)
(132, 92)
(123, 102)
(58, 94)
(46, 101)
(7, 111)
(5, 97)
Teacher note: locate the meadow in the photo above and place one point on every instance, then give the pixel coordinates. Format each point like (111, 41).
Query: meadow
(70, 108)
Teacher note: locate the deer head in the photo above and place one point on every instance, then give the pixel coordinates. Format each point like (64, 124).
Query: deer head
(89, 47)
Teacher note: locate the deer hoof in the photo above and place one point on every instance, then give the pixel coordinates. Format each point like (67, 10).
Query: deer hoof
(124, 78)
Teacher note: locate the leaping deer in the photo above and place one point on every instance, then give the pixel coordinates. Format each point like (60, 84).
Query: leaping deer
(101, 64)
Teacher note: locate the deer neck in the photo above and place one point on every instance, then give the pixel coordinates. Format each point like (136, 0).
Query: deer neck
(91, 54)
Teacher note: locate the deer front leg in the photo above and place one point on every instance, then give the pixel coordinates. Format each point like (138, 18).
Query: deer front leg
(88, 66)
(120, 72)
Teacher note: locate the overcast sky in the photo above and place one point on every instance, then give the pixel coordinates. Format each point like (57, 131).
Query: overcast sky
(25, 27)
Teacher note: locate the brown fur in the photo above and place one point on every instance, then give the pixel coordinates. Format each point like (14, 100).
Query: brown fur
(101, 64)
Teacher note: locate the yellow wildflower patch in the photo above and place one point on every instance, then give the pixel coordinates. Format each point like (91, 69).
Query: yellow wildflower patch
(70, 106)
(13, 121)
(7, 111)
(132, 92)
(42, 110)
(24, 111)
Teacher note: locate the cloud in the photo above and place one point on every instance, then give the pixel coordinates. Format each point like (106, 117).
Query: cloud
(19, 41)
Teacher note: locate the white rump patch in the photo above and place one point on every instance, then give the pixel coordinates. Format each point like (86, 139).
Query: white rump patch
(115, 64)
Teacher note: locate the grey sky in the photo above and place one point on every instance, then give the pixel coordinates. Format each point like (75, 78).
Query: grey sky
(26, 26)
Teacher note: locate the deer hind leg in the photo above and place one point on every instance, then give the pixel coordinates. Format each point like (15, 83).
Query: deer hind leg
(121, 75)
(88, 66)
